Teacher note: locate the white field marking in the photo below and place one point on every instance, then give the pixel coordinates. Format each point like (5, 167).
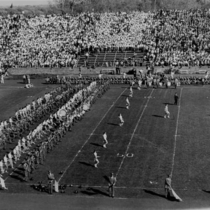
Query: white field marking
(134, 133)
(175, 136)
(11, 87)
(153, 144)
(118, 198)
(91, 135)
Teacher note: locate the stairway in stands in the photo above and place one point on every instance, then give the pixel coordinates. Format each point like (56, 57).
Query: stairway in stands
(107, 59)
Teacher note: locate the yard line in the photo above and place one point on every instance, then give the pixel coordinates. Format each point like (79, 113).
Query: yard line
(105, 186)
(175, 136)
(94, 197)
(134, 132)
(10, 87)
(91, 134)
(154, 145)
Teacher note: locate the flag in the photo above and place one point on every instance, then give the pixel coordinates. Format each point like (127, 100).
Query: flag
(175, 195)
(56, 186)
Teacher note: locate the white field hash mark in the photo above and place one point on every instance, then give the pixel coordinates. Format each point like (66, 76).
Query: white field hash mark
(175, 136)
(91, 135)
(148, 98)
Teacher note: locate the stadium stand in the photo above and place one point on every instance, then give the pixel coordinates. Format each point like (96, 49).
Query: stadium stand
(165, 38)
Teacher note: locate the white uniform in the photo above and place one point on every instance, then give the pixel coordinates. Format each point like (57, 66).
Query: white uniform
(6, 162)
(139, 84)
(10, 160)
(2, 167)
(121, 120)
(96, 161)
(105, 139)
(127, 103)
(167, 113)
(2, 183)
(131, 92)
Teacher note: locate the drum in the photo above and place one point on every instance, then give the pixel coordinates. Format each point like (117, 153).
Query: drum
(160, 84)
(62, 113)
(168, 84)
(86, 107)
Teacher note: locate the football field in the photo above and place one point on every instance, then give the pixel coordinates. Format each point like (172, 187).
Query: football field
(141, 153)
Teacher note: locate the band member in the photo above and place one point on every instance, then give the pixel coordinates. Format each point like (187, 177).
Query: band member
(2, 183)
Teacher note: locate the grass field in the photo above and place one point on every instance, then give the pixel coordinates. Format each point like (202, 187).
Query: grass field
(179, 145)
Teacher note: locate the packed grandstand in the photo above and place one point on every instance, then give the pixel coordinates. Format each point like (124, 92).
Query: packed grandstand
(167, 37)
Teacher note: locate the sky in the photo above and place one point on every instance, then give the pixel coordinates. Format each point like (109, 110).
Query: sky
(24, 2)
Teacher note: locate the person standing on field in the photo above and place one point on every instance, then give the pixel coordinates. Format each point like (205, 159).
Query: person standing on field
(167, 186)
(121, 120)
(167, 113)
(112, 183)
(127, 103)
(96, 160)
(176, 98)
(105, 141)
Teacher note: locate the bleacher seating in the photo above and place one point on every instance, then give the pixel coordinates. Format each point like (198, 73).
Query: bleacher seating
(108, 59)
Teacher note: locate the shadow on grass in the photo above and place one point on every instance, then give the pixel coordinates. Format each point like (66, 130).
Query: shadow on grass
(115, 124)
(160, 116)
(154, 193)
(120, 107)
(19, 172)
(88, 193)
(96, 144)
(17, 177)
(87, 164)
(92, 191)
(21, 83)
(171, 198)
(106, 178)
(206, 191)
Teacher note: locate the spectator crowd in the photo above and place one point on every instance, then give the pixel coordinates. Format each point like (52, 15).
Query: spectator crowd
(169, 37)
